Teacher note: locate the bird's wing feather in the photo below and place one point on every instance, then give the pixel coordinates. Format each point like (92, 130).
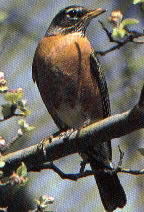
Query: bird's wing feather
(100, 78)
(98, 74)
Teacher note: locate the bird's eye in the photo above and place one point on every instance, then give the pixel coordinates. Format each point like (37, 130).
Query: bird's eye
(72, 13)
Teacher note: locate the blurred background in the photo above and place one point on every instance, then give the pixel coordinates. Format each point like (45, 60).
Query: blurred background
(25, 23)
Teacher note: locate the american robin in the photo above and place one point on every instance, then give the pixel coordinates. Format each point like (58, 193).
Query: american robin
(73, 88)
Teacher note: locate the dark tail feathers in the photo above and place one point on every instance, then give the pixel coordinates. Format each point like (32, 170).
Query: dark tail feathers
(111, 191)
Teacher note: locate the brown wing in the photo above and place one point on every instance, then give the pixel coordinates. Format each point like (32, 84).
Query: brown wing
(100, 80)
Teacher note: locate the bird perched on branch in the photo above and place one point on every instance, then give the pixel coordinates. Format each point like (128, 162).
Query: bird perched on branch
(73, 88)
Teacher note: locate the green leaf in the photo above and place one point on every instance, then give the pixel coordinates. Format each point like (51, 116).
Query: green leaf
(118, 33)
(3, 15)
(24, 126)
(137, 1)
(22, 123)
(22, 170)
(22, 106)
(3, 89)
(44, 201)
(14, 95)
(128, 21)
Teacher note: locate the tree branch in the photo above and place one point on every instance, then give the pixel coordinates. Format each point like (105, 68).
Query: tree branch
(81, 174)
(74, 141)
(131, 37)
(86, 173)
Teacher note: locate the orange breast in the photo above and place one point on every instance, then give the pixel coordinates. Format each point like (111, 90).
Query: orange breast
(65, 79)
(67, 52)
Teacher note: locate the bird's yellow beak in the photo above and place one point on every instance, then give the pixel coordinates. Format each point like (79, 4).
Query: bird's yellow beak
(95, 13)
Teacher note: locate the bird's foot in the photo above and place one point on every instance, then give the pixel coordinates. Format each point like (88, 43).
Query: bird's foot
(83, 165)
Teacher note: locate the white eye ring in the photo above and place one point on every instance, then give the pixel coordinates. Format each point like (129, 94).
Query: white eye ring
(72, 14)
(70, 17)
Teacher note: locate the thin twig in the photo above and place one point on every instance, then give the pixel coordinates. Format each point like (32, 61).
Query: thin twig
(132, 35)
(109, 34)
(121, 157)
(11, 116)
(76, 176)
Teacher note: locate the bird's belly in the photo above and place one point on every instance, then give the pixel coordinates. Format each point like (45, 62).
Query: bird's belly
(72, 117)
(75, 103)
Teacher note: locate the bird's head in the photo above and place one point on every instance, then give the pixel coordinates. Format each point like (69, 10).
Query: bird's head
(73, 19)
